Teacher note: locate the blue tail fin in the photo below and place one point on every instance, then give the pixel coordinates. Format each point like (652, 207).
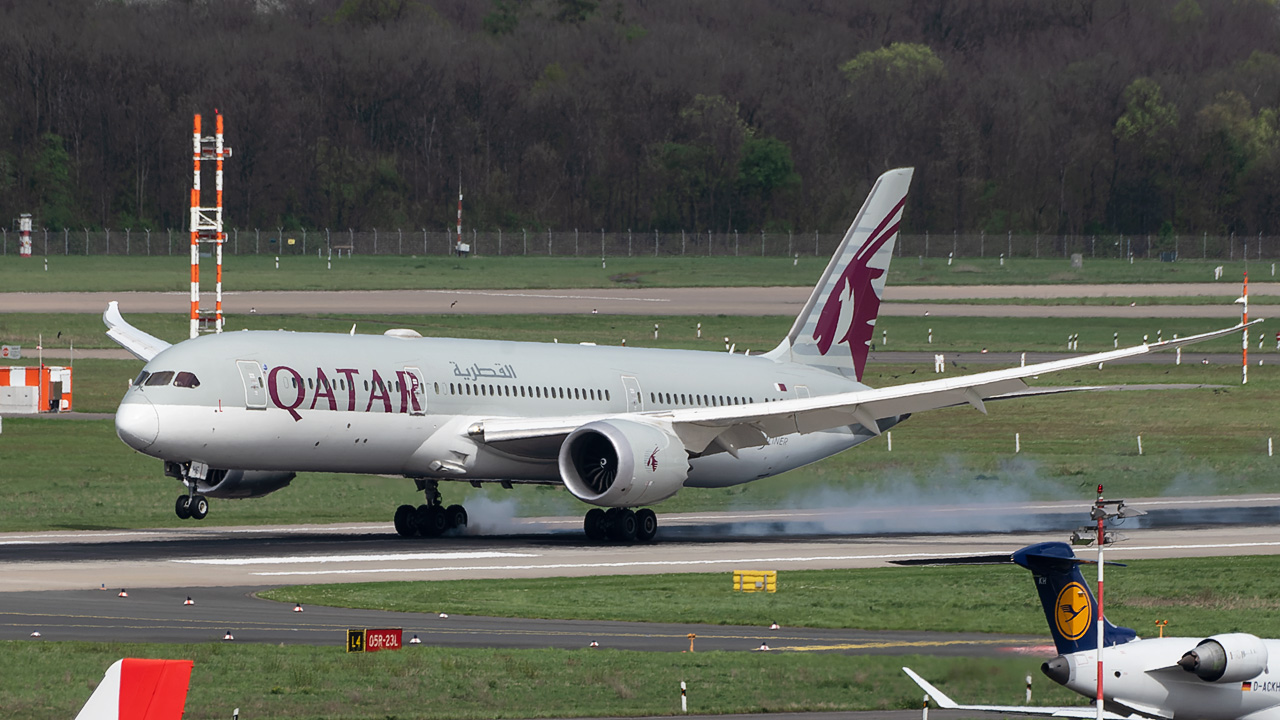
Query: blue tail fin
(1069, 605)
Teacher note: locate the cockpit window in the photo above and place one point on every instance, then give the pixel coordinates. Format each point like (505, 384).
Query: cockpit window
(160, 378)
(186, 379)
(142, 377)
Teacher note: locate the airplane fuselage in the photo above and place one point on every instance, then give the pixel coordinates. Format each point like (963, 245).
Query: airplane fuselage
(404, 406)
(1142, 674)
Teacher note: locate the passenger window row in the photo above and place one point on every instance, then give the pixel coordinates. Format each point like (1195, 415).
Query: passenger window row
(528, 391)
(691, 400)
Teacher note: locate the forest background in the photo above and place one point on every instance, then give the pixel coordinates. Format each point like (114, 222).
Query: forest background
(1056, 116)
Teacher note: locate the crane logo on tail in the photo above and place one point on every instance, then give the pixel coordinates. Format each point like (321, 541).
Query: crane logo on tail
(1071, 611)
(849, 315)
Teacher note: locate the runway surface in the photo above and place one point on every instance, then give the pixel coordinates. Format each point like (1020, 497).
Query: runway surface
(53, 579)
(786, 301)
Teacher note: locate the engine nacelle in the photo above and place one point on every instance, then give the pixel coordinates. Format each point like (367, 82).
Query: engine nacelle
(242, 483)
(1227, 658)
(623, 463)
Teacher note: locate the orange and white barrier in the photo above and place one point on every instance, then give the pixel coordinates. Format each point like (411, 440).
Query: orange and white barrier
(140, 688)
(26, 390)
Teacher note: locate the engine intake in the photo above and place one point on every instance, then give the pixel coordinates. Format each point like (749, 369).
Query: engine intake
(1227, 658)
(623, 463)
(242, 483)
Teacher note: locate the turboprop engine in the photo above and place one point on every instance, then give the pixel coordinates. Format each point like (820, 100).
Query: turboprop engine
(242, 483)
(623, 463)
(1227, 658)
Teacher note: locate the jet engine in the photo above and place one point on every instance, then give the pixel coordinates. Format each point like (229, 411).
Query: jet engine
(1227, 658)
(623, 463)
(242, 483)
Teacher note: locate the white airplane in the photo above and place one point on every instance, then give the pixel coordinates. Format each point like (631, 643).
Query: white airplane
(140, 689)
(1222, 677)
(237, 414)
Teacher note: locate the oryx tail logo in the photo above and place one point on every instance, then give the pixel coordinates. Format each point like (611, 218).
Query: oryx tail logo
(1071, 612)
(652, 462)
(849, 315)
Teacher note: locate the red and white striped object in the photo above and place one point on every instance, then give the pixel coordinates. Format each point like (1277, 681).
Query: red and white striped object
(140, 689)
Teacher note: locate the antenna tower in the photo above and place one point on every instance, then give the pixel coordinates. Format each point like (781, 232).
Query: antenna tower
(206, 224)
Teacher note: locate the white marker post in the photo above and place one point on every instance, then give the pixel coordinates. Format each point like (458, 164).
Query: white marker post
(1017, 448)
(684, 698)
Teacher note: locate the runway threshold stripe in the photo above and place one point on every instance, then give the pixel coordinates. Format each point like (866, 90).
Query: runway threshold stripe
(297, 559)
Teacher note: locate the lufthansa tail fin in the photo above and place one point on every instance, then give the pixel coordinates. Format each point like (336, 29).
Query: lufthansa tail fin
(1069, 605)
(835, 329)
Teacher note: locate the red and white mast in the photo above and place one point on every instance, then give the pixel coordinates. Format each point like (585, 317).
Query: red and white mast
(458, 245)
(206, 222)
(1244, 334)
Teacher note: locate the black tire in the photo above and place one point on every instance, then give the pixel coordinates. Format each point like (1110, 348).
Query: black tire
(432, 520)
(403, 521)
(456, 516)
(595, 525)
(199, 507)
(624, 526)
(646, 525)
(182, 508)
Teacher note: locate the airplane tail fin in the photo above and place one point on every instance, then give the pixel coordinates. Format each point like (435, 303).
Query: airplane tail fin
(1069, 605)
(140, 689)
(835, 329)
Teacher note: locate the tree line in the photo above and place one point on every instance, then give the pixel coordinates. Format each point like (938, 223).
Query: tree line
(1066, 117)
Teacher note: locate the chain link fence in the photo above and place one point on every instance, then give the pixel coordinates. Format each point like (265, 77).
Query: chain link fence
(604, 243)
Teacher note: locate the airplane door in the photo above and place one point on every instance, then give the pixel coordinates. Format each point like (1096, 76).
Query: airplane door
(635, 401)
(418, 398)
(255, 386)
(802, 391)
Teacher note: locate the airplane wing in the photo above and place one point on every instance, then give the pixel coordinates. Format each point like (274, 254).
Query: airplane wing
(139, 344)
(733, 427)
(1077, 711)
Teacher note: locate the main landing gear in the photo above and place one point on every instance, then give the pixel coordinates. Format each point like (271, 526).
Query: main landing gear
(431, 519)
(621, 524)
(191, 505)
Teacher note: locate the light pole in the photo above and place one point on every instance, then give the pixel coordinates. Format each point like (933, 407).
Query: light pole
(1084, 536)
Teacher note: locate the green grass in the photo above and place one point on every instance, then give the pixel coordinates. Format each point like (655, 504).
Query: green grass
(1198, 596)
(52, 680)
(298, 272)
(755, 333)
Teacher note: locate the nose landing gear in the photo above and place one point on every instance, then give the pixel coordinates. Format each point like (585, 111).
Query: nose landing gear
(431, 519)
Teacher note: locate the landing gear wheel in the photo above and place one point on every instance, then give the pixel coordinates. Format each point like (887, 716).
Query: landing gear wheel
(199, 507)
(595, 524)
(624, 526)
(182, 508)
(456, 516)
(403, 521)
(646, 525)
(432, 520)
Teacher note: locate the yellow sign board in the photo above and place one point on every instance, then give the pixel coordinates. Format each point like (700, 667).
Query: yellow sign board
(755, 580)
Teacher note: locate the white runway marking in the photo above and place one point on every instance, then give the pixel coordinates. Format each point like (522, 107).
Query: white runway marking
(692, 563)
(630, 564)
(299, 559)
